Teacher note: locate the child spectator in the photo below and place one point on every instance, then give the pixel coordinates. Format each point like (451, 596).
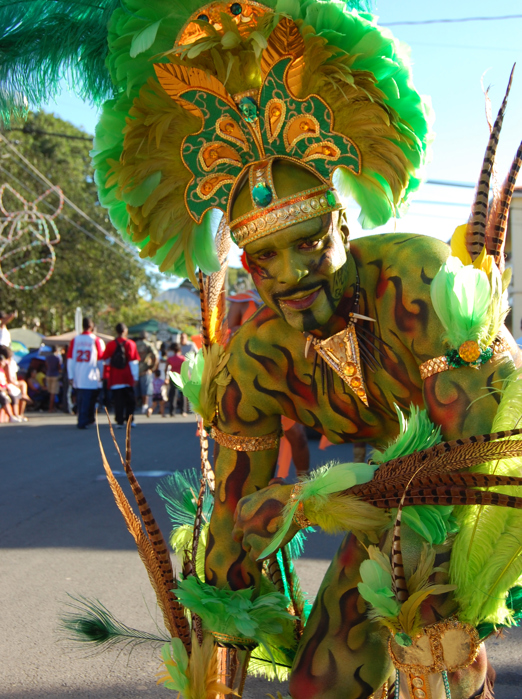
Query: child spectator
(16, 388)
(35, 389)
(53, 369)
(5, 401)
(157, 395)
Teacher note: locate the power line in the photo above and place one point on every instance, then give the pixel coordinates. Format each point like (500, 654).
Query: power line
(29, 130)
(464, 46)
(447, 183)
(450, 20)
(439, 203)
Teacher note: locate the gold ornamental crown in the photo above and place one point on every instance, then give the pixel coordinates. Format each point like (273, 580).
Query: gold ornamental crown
(241, 135)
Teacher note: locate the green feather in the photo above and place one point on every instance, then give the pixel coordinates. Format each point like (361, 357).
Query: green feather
(486, 558)
(41, 41)
(514, 605)
(180, 493)
(237, 612)
(320, 483)
(433, 522)
(417, 432)
(461, 296)
(92, 625)
(139, 195)
(376, 589)
(190, 378)
(205, 252)
(143, 40)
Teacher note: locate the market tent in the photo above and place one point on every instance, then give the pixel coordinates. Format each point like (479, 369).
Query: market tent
(61, 340)
(19, 349)
(29, 338)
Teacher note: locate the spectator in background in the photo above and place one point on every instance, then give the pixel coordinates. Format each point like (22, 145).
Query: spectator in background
(5, 335)
(36, 391)
(53, 369)
(186, 345)
(123, 359)
(157, 395)
(84, 368)
(16, 388)
(5, 400)
(174, 361)
(149, 360)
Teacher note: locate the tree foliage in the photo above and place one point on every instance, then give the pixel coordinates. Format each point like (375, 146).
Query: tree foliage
(92, 271)
(174, 315)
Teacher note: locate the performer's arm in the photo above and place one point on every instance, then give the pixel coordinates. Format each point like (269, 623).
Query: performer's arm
(238, 474)
(245, 413)
(464, 401)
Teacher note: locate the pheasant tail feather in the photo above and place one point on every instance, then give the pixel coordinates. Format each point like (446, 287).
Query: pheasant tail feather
(476, 231)
(173, 612)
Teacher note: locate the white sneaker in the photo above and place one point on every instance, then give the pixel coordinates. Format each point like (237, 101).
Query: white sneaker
(14, 418)
(144, 409)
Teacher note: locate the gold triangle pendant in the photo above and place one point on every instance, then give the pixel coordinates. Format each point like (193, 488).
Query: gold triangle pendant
(341, 352)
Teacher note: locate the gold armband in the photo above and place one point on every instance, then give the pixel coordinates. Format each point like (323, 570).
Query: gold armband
(240, 443)
(299, 518)
(468, 354)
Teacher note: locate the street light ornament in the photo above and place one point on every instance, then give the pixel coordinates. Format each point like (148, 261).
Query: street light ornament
(27, 239)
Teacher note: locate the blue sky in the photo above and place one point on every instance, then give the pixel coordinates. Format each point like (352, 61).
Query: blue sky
(449, 60)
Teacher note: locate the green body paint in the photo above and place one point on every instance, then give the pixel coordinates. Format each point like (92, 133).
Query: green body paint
(342, 654)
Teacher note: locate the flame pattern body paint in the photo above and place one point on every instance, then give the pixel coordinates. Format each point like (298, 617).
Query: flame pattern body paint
(342, 655)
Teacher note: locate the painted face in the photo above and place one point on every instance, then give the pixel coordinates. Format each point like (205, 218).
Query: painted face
(301, 272)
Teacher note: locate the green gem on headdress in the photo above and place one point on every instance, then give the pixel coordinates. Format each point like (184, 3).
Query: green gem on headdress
(248, 108)
(403, 639)
(236, 8)
(262, 194)
(330, 198)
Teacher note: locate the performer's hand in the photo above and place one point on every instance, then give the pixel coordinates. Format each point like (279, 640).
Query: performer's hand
(259, 515)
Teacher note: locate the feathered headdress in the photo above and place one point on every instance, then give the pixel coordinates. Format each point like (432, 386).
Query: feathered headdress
(204, 96)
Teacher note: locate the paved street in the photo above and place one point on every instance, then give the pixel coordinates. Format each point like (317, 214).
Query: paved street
(61, 533)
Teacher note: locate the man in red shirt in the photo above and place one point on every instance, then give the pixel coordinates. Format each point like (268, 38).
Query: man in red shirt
(123, 359)
(174, 361)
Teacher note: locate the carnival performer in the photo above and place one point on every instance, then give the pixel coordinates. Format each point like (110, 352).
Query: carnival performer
(257, 121)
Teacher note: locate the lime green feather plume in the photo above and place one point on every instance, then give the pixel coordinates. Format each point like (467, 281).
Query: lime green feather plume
(486, 559)
(237, 612)
(376, 589)
(315, 491)
(416, 432)
(470, 303)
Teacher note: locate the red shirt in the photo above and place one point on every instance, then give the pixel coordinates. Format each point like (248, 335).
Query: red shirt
(175, 362)
(121, 376)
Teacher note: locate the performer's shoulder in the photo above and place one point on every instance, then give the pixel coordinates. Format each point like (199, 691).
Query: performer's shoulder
(407, 255)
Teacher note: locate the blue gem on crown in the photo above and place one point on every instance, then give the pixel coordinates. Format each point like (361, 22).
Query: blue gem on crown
(248, 108)
(262, 194)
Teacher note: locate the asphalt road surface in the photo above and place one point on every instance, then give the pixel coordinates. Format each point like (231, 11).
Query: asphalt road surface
(61, 534)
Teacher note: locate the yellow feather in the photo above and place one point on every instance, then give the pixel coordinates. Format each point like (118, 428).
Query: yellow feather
(458, 244)
(338, 513)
